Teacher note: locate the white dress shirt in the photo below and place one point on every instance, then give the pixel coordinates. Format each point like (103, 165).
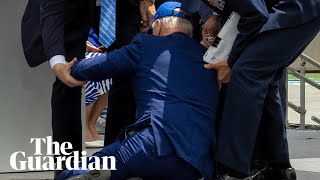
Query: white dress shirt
(57, 59)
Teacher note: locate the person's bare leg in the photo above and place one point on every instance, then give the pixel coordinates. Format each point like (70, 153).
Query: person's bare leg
(89, 108)
(99, 106)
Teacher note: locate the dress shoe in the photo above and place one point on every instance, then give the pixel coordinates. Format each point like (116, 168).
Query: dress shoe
(255, 173)
(227, 177)
(277, 174)
(93, 175)
(257, 168)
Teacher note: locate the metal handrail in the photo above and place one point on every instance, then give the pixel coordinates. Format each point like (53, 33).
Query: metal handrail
(300, 76)
(315, 119)
(310, 60)
(296, 108)
(301, 109)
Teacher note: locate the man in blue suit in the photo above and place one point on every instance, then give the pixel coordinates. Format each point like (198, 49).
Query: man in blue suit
(272, 35)
(176, 97)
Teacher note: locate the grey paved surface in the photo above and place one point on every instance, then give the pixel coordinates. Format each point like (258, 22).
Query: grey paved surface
(305, 153)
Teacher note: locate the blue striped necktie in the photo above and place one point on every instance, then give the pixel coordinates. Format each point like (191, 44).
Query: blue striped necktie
(107, 29)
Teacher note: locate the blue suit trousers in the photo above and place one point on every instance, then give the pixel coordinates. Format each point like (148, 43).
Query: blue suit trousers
(252, 116)
(137, 156)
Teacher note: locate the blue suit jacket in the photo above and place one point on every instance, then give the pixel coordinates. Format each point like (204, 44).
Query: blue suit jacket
(258, 16)
(174, 93)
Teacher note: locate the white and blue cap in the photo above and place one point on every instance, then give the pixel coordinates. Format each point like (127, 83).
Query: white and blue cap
(169, 9)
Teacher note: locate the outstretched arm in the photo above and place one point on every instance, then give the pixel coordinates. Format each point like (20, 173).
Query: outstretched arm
(121, 62)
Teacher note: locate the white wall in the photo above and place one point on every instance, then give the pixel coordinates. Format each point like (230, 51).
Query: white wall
(24, 92)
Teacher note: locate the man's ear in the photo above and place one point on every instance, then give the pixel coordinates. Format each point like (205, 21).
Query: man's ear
(156, 30)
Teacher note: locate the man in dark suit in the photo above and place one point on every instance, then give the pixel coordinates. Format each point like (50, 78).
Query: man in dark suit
(52, 31)
(272, 35)
(173, 136)
(56, 31)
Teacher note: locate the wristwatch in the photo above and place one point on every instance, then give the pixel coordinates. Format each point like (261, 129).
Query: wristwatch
(152, 1)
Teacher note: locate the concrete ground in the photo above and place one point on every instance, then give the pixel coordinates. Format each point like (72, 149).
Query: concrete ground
(312, 103)
(305, 153)
(304, 145)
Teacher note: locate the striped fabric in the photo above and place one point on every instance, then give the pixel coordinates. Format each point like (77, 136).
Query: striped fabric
(205, 12)
(107, 28)
(95, 89)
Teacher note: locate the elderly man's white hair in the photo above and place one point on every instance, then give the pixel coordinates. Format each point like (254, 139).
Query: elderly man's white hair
(176, 23)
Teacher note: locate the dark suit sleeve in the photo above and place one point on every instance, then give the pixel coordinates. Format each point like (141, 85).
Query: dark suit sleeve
(254, 15)
(118, 63)
(52, 27)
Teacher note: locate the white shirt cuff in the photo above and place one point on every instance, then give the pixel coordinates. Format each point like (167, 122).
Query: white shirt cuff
(57, 59)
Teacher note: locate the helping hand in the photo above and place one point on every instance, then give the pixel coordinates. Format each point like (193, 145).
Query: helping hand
(147, 11)
(223, 70)
(62, 71)
(210, 29)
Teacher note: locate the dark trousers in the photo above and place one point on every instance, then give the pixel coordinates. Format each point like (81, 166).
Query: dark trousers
(252, 110)
(121, 105)
(137, 156)
(66, 115)
(283, 91)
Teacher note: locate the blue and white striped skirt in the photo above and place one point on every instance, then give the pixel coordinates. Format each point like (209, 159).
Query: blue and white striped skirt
(94, 90)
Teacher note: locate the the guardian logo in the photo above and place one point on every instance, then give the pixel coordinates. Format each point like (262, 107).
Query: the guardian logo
(71, 160)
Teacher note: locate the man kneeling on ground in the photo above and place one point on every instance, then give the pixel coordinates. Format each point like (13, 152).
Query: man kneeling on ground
(174, 134)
